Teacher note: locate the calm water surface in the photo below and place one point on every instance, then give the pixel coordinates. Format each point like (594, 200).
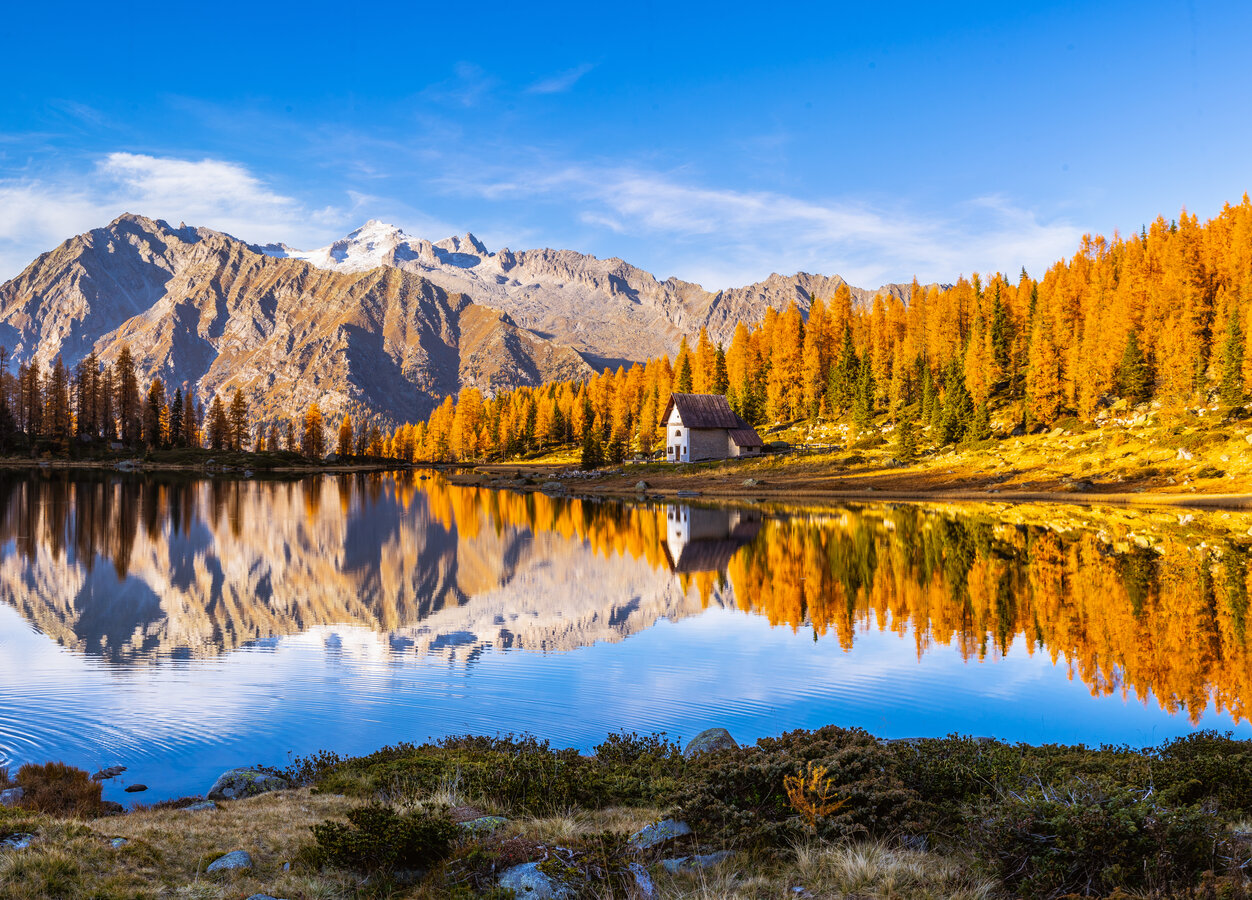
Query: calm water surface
(179, 627)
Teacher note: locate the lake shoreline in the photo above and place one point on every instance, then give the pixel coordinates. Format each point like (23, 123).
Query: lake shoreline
(640, 811)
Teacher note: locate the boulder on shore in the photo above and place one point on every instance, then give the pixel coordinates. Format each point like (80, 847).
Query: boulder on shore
(12, 796)
(235, 859)
(245, 782)
(709, 741)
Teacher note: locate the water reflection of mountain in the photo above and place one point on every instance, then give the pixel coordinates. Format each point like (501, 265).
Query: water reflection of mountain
(1138, 603)
(136, 569)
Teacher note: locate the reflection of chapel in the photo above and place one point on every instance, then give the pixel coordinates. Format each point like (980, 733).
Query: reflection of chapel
(704, 540)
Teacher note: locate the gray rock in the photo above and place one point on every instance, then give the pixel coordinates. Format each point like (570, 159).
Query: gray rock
(136, 788)
(641, 886)
(709, 741)
(118, 842)
(232, 861)
(658, 833)
(108, 772)
(16, 842)
(552, 487)
(641, 485)
(750, 482)
(12, 796)
(262, 897)
(686, 493)
(245, 782)
(201, 806)
(528, 883)
(692, 863)
(484, 824)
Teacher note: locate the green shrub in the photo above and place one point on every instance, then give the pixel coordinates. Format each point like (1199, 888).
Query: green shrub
(1051, 844)
(738, 797)
(377, 839)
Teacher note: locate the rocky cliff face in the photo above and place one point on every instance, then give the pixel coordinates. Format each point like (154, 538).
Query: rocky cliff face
(607, 309)
(205, 311)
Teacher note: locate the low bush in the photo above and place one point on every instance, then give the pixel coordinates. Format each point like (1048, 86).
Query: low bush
(59, 790)
(738, 797)
(378, 840)
(1051, 843)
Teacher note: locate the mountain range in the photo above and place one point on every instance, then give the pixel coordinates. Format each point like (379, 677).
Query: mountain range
(379, 324)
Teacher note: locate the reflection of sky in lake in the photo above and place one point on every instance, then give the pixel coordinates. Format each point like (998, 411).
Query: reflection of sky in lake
(222, 624)
(178, 724)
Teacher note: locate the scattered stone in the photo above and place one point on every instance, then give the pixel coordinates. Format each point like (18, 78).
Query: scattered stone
(528, 883)
(12, 796)
(642, 887)
(108, 772)
(245, 782)
(201, 806)
(641, 485)
(484, 824)
(551, 487)
(234, 860)
(118, 842)
(16, 842)
(136, 788)
(658, 833)
(710, 740)
(692, 863)
(750, 482)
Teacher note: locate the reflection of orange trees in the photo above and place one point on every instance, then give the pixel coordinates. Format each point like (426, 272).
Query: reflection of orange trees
(1173, 625)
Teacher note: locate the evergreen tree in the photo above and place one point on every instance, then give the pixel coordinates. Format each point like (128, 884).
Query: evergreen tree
(190, 424)
(126, 384)
(721, 380)
(592, 456)
(1232, 361)
(154, 413)
(293, 445)
(683, 382)
(906, 448)
(219, 425)
(958, 407)
(1132, 374)
(980, 424)
(841, 387)
(177, 436)
(238, 421)
(58, 406)
(863, 407)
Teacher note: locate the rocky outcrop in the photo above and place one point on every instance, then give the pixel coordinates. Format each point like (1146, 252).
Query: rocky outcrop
(236, 784)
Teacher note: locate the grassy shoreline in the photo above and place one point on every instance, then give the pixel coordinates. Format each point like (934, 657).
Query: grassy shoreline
(869, 818)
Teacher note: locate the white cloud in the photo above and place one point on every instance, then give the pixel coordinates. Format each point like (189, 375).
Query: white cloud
(723, 237)
(36, 214)
(561, 82)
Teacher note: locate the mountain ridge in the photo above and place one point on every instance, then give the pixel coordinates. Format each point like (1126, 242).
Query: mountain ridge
(377, 325)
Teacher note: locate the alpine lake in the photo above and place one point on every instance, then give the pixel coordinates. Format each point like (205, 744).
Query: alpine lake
(180, 626)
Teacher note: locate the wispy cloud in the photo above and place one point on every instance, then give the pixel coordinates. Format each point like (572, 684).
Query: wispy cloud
(725, 237)
(467, 87)
(36, 214)
(561, 82)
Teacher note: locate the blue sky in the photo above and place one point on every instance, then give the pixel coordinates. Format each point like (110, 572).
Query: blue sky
(714, 142)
